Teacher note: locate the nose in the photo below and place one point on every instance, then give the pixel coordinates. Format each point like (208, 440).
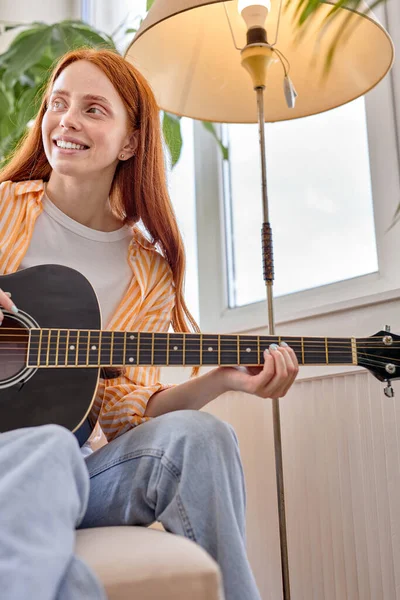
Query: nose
(70, 119)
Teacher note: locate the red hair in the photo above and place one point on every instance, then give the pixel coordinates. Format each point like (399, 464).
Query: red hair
(146, 199)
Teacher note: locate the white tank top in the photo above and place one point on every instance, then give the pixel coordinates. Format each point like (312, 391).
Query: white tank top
(102, 257)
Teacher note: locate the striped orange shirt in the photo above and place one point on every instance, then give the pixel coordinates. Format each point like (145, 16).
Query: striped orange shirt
(121, 402)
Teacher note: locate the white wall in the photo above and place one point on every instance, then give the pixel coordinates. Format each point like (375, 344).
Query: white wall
(26, 11)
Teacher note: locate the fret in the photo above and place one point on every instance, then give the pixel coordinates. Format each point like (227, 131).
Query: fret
(175, 348)
(132, 349)
(228, 349)
(88, 349)
(82, 343)
(184, 349)
(160, 349)
(124, 354)
(118, 348)
(354, 351)
(78, 333)
(210, 349)
(99, 348)
(112, 362)
(57, 346)
(248, 350)
(302, 352)
(219, 349)
(258, 351)
(193, 349)
(48, 349)
(201, 348)
(138, 349)
(40, 346)
(106, 349)
(94, 349)
(326, 351)
(152, 349)
(66, 348)
(238, 350)
(167, 348)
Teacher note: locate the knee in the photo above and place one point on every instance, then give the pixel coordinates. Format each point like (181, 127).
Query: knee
(55, 438)
(202, 429)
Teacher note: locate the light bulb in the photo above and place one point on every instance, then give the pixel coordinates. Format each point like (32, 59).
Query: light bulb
(254, 12)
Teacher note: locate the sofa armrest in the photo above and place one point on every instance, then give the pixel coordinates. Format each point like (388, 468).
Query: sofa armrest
(137, 562)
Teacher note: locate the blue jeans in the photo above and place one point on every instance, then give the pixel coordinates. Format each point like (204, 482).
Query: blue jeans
(182, 469)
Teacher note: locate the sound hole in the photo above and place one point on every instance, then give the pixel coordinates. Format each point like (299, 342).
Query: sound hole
(14, 340)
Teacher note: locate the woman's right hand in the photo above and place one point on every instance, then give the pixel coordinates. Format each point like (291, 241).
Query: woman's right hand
(7, 303)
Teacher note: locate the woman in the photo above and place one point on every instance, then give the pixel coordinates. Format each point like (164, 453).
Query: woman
(89, 169)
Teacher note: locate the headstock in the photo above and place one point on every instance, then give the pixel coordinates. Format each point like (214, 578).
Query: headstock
(380, 354)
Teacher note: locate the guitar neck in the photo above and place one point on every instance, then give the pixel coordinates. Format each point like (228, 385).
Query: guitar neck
(94, 348)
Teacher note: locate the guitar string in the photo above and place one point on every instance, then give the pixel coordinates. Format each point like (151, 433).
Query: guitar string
(363, 361)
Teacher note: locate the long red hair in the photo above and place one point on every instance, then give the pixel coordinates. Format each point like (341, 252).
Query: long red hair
(139, 188)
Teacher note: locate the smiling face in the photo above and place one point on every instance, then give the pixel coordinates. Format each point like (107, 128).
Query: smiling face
(85, 128)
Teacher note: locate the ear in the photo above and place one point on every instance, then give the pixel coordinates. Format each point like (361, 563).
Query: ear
(130, 145)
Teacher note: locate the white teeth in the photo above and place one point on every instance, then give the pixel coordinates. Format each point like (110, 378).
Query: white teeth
(62, 144)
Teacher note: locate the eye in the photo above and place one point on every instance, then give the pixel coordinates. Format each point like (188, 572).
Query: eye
(56, 104)
(100, 112)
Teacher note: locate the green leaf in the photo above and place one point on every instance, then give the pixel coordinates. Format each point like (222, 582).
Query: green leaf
(211, 128)
(5, 104)
(149, 4)
(173, 136)
(25, 52)
(28, 105)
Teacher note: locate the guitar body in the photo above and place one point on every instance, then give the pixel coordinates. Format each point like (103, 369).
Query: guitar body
(54, 297)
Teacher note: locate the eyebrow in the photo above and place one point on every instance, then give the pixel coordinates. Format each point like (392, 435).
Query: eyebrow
(85, 97)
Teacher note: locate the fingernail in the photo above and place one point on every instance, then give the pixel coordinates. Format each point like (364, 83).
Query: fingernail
(284, 344)
(14, 309)
(273, 347)
(266, 352)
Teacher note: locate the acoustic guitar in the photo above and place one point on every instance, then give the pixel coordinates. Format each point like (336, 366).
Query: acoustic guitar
(52, 351)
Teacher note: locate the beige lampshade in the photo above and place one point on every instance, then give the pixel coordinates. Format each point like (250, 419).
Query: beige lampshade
(185, 50)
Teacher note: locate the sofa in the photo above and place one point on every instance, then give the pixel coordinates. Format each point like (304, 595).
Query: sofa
(139, 563)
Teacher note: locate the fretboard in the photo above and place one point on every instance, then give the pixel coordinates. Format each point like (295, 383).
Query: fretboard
(94, 348)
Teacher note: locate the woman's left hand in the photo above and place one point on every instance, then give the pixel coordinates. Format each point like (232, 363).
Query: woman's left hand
(273, 380)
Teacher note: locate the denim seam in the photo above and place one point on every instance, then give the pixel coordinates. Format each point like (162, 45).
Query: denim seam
(129, 456)
(185, 519)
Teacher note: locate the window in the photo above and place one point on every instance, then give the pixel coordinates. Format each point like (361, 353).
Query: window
(320, 200)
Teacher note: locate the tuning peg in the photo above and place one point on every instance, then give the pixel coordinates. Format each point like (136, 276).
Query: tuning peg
(387, 328)
(389, 391)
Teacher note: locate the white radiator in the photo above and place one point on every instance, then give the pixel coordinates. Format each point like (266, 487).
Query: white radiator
(342, 477)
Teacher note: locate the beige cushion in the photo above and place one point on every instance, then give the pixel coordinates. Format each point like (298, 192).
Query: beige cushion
(147, 564)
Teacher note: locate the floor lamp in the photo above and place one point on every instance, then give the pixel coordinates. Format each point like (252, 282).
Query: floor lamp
(198, 55)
